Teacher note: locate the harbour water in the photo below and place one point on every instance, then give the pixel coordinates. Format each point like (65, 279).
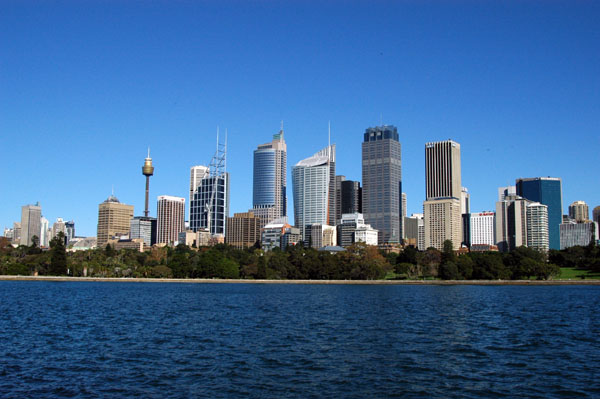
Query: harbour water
(123, 340)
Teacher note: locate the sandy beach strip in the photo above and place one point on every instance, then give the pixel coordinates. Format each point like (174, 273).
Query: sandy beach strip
(331, 282)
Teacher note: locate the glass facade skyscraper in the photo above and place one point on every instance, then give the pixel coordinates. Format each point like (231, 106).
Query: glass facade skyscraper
(269, 196)
(382, 182)
(547, 191)
(213, 189)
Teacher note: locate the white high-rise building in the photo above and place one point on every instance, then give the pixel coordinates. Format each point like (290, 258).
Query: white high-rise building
(537, 226)
(170, 215)
(483, 228)
(311, 180)
(44, 232)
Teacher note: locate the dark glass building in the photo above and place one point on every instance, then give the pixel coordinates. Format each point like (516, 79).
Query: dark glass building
(351, 197)
(547, 191)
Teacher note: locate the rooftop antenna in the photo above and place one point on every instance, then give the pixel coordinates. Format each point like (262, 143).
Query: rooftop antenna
(282, 125)
(112, 190)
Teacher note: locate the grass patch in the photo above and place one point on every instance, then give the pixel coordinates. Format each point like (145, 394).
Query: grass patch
(577, 274)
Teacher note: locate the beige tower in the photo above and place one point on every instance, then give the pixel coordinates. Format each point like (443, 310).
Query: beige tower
(243, 230)
(113, 220)
(579, 211)
(442, 207)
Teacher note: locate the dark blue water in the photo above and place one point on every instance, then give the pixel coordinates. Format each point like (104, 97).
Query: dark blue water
(123, 340)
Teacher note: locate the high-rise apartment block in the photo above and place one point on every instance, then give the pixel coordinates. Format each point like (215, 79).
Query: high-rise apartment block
(537, 226)
(170, 215)
(442, 207)
(113, 220)
(382, 182)
(269, 195)
(243, 230)
(547, 191)
(30, 223)
(311, 181)
(579, 211)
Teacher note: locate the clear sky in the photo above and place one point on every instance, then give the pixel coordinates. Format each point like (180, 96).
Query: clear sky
(86, 87)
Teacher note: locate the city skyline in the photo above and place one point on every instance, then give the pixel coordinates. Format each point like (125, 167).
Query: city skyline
(509, 82)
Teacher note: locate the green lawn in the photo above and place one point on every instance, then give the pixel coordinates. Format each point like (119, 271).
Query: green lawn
(577, 274)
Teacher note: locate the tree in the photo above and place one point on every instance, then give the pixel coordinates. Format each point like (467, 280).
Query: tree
(58, 255)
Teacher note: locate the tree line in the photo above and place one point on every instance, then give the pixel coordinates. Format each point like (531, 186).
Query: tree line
(358, 262)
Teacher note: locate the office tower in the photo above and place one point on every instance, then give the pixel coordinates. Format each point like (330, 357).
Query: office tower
(311, 181)
(511, 223)
(170, 215)
(352, 229)
(442, 221)
(16, 239)
(271, 234)
(415, 231)
(243, 230)
(210, 203)
(113, 220)
(8, 233)
(442, 207)
(351, 197)
(404, 204)
(269, 194)
(482, 228)
(382, 182)
(44, 232)
(322, 235)
(547, 191)
(197, 173)
(505, 191)
(30, 223)
(291, 236)
(69, 231)
(147, 170)
(537, 226)
(144, 228)
(338, 197)
(579, 211)
(59, 227)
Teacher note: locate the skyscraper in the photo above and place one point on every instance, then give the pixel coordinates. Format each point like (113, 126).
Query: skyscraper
(382, 182)
(144, 228)
(547, 191)
(579, 211)
(44, 232)
(170, 215)
(269, 196)
(442, 207)
(113, 220)
(596, 217)
(210, 202)
(243, 230)
(197, 173)
(30, 223)
(537, 226)
(311, 181)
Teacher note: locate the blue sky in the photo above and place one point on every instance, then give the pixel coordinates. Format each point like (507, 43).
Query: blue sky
(86, 87)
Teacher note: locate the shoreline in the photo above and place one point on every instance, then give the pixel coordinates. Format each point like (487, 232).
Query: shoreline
(320, 282)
